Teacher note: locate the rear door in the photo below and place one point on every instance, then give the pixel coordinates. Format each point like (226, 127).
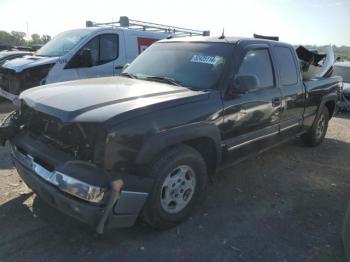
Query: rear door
(254, 115)
(293, 93)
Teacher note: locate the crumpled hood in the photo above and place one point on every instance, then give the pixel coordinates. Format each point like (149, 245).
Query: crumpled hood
(101, 99)
(20, 64)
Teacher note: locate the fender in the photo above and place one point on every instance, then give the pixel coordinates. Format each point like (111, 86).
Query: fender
(320, 96)
(333, 97)
(158, 142)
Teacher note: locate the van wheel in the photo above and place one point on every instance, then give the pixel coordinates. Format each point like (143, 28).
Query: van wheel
(316, 134)
(180, 181)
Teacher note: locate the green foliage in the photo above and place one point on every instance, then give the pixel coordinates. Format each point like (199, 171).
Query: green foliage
(45, 39)
(343, 52)
(35, 39)
(19, 37)
(339, 51)
(16, 38)
(6, 38)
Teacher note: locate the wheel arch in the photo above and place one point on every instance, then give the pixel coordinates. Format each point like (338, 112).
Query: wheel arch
(203, 137)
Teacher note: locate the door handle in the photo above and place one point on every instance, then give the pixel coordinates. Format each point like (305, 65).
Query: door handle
(118, 67)
(276, 101)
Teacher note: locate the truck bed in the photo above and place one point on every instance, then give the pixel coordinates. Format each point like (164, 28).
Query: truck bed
(322, 83)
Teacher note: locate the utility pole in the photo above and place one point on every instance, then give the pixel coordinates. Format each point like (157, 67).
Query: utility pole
(27, 31)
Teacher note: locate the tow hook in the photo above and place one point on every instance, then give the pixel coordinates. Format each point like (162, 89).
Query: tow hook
(116, 186)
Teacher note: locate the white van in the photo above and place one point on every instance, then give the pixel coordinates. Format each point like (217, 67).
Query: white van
(95, 51)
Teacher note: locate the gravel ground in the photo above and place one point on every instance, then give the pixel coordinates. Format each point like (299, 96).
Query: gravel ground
(285, 205)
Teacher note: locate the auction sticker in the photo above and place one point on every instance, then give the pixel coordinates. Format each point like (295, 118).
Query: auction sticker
(204, 59)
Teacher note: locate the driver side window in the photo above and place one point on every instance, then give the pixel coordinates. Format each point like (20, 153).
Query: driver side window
(103, 49)
(258, 63)
(93, 46)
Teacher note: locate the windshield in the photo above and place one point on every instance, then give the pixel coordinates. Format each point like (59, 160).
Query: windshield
(194, 65)
(62, 43)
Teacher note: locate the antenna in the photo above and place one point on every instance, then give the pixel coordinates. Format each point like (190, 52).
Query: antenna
(223, 34)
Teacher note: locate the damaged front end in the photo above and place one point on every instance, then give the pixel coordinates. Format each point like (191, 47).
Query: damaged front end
(9, 127)
(63, 163)
(12, 83)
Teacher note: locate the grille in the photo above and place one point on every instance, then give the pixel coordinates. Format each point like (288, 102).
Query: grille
(8, 80)
(82, 141)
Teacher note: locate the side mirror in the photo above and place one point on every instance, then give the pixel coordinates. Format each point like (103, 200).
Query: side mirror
(244, 83)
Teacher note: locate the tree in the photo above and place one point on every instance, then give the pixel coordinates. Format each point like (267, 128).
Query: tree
(35, 39)
(19, 37)
(45, 39)
(6, 39)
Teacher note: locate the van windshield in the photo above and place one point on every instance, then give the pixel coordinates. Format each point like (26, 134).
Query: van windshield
(63, 43)
(195, 65)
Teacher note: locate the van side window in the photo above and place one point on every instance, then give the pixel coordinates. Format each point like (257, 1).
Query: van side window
(93, 46)
(258, 63)
(286, 66)
(108, 48)
(103, 49)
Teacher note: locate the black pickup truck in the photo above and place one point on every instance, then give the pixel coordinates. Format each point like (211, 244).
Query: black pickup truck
(181, 111)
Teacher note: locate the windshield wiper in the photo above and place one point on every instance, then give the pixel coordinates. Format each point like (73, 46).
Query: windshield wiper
(129, 75)
(164, 79)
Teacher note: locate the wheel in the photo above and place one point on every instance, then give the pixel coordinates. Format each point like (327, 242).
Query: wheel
(180, 181)
(316, 134)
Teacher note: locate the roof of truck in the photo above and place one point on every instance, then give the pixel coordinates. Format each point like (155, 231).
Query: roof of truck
(218, 39)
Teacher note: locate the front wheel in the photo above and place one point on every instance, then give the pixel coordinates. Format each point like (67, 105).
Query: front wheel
(316, 134)
(180, 180)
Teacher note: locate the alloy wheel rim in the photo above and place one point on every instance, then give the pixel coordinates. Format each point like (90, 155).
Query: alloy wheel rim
(178, 189)
(320, 126)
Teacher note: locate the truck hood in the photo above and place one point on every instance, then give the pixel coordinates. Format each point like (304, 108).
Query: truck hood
(103, 99)
(20, 64)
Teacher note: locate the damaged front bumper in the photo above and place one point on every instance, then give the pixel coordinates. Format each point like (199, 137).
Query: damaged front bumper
(76, 188)
(11, 97)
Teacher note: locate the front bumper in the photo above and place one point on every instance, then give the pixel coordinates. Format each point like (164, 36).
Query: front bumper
(123, 214)
(13, 98)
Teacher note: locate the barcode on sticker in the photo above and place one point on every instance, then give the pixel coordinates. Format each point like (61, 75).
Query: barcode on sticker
(203, 59)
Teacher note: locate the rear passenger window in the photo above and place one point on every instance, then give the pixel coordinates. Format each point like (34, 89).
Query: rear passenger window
(286, 66)
(258, 63)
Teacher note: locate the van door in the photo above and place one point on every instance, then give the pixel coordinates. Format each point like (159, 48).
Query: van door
(104, 51)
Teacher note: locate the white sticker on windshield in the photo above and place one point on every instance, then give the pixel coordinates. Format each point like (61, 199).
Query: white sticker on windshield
(204, 59)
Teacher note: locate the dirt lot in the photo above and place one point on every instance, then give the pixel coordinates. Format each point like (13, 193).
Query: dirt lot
(285, 205)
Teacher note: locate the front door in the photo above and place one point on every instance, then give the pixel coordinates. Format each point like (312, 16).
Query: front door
(104, 51)
(254, 115)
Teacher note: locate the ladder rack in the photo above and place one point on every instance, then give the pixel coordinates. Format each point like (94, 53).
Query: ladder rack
(125, 22)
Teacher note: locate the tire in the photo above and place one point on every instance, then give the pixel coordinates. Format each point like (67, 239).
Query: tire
(179, 166)
(316, 134)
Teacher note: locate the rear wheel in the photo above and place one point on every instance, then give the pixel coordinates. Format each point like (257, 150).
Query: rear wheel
(318, 131)
(180, 181)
